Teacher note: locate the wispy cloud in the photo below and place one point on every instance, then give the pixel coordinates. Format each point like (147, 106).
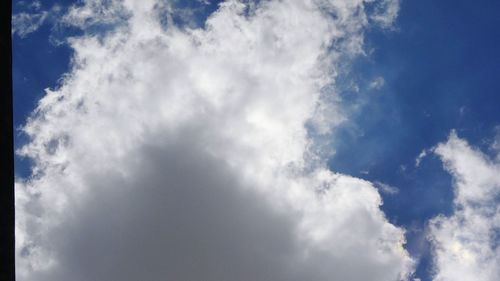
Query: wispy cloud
(421, 156)
(26, 23)
(377, 83)
(34, 16)
(386, 188)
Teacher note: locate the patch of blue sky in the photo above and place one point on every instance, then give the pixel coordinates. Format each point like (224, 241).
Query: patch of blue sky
(38, 63)
(440, 71)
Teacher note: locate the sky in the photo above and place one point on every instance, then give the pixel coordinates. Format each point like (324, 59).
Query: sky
(257, 140)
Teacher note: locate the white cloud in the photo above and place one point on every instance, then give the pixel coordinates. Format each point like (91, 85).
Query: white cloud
(26, 23)
(420, 156)
(386, 188)
(466, 243)
(377, 83)
(33, 17)
(91, 12)
(183, 154)
(386, 12)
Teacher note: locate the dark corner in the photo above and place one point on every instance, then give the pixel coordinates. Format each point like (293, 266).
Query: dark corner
(7, 217)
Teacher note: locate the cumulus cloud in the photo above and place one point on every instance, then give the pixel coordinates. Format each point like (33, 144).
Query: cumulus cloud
(466, 243)
(186, 153)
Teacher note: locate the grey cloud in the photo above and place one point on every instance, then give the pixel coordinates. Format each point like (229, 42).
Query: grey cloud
(183, 216)
(180, 214)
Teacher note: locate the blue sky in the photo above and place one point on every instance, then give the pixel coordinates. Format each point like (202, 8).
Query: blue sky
(439, 67)
(440, 70)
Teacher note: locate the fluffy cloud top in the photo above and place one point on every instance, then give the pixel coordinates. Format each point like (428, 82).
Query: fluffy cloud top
(181, 153)
(466, 243)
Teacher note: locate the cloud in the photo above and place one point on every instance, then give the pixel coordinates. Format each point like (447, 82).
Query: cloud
(377, 83)
(33, 17)
(186, 153)
(421, 156)
(466, 243)
(386, 188)
(26, 23)
(385, 12)
(92, 13)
